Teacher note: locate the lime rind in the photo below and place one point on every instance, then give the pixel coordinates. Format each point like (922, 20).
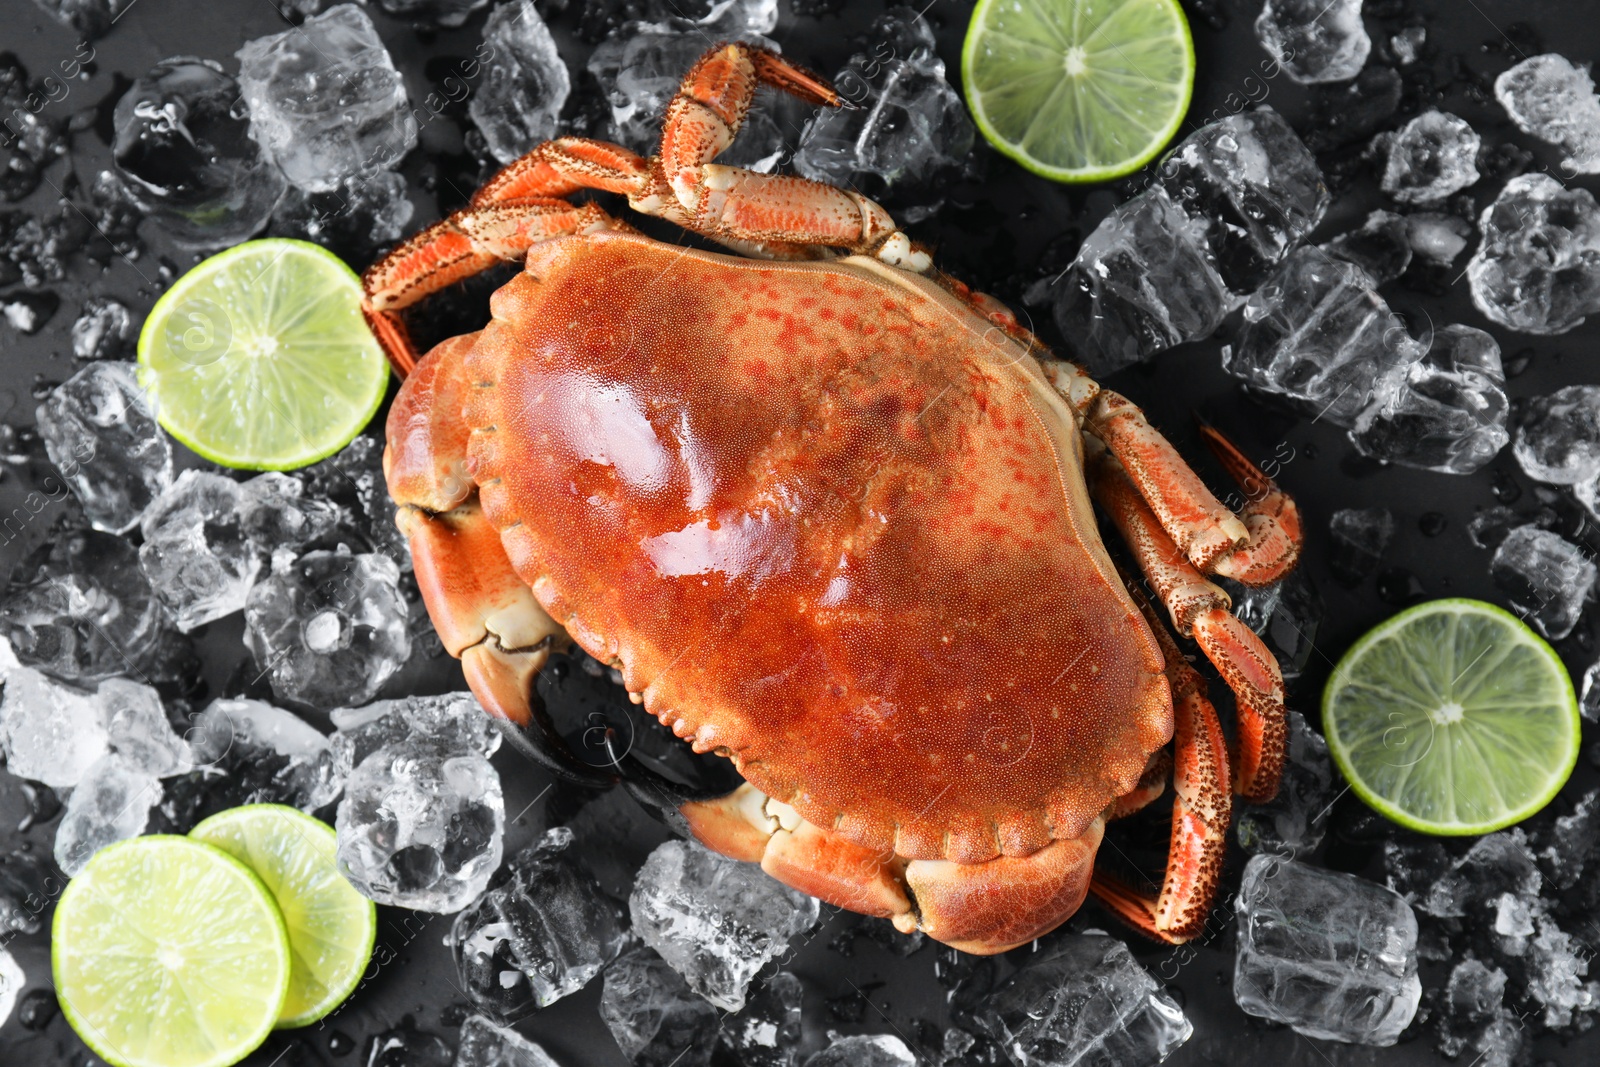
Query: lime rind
(332, 928)
(1453, 718)
(166, 952)
(259, 358)
(1134, 64)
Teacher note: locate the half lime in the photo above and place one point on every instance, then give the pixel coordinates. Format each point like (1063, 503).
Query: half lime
(331, 926)
(1078, 90)
(169, 953)
(259, 357)
(1452, 718)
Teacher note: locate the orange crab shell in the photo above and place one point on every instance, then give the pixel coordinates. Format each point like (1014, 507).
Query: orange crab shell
(831, 523)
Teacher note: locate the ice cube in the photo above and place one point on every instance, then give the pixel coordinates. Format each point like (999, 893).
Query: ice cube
(1537, 268)
(1360, 536)
(1407, 45)
(404, 1046)
(1589, 694)
(326, 102)
(1571, 839)
(185, 157)
(420, 826)
(483, 1044)
(273, 745)
(110, 803)
(33, 138)
(732, 16)
(27, 886)
(1491, 524)
(330, 629)
(766, 1033)
(1437, 237)
(453, 720)
(1432, 156)
(355, 219)
(275, 512)
(711, 19)
(86, 611)
(1546, 577)
(353, 479)
(653, 1017)
(1558, 439)
(1332, 955)
(1557, 964)
(524, 83)
(51, 733)
(194, 552)
(447, 13)
(1382, 246)
(102, 330)
(864, 1050)
(91, 18)
(1513, 924)
(1475, 990)
(715, 920)
(908, 124)
(1285, 615)
(543, 932)
(1250, 186)
(102, 436)
(1498, 864)
(139, 731)
(1448, 412)
(1139, 285)
(639, 72)
(1292, 824)
(12, 981)
(1315, 40)
(1471, 1012)
(1423, 873)
(1553, 99)
(1318, 333)
(1085, 1004)
(28, 313)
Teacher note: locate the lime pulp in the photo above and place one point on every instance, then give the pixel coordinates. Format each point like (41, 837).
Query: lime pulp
(169, 953)
(331, 926)
(1078, 90)
(260, 358)
(1452, 718)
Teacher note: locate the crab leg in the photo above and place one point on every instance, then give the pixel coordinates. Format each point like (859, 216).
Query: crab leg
(778, 216)
(750, 209)
(1202, 611)
(1256, 547)
(1152, 783)
(1201, 808)
(516, 209)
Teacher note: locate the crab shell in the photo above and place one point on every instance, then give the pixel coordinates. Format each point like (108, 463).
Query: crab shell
(828, 519)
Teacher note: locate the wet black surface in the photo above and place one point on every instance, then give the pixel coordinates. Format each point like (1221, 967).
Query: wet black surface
(1000, 230)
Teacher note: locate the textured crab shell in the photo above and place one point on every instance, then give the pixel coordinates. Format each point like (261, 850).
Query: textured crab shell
(832, 524)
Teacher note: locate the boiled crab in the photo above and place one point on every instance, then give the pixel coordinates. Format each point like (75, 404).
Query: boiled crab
(829, 512)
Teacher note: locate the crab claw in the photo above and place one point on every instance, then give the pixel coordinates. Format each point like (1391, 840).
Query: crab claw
(1270, 516)
(982, 908)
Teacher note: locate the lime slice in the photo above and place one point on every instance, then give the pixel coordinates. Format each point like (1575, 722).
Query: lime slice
(1452, 718)
(331, 926)
(259, 357)
(169, 953)
(1078, 90)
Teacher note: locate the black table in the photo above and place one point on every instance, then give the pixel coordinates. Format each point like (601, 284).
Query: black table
(999, 232)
